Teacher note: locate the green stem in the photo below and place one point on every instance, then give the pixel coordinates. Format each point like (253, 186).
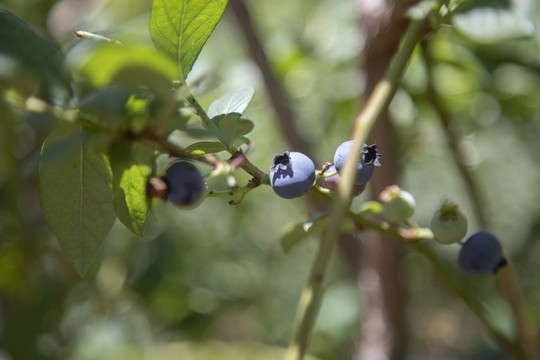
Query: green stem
(254, 171)
(311, 297)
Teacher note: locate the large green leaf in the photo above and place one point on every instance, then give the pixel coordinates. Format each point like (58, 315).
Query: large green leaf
(180, 28)
(489, 21)
(145, 65)
(131, 164)
(75, 194)
(25, 55)
(232, 102)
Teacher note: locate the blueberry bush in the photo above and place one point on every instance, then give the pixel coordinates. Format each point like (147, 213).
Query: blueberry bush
(218, 179)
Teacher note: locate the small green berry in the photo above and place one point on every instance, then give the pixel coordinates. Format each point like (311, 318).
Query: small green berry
(448, 224)
(398, 204)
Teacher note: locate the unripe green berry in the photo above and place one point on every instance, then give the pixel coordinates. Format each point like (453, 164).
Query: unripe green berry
(448, 224)
(398, 204)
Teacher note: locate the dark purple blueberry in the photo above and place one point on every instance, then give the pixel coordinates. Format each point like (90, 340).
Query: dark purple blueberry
(185, 184)
(481, 254)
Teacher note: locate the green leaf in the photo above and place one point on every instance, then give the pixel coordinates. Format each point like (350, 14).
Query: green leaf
(233, 102)
(231, 126)
(205, 147)
(487, 21)
(75, 194)
(241, 140)
(25, 56)
(180, 28)
(107, 105)
(295, 234)
(131, 165)
(144, 67)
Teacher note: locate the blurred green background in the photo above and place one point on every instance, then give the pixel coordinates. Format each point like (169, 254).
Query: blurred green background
(214, 282)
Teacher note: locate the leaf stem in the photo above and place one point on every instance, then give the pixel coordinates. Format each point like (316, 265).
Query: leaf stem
(311, 296)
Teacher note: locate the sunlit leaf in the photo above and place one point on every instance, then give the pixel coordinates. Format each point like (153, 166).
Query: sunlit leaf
(131, 165)
(493, 20)
(75, 194)
(233, 102)
(110, 61)
(180, 28)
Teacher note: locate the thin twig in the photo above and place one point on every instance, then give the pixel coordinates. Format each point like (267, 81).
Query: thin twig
(90, 36)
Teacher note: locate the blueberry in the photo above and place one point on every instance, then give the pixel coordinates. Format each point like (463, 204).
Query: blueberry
(398, 204)
(481, 254)
(369, 159)
(292, 174)
(448, 224)
(333, 181)
(185, 184)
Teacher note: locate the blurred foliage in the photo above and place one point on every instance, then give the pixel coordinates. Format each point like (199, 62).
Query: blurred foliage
(215, 280)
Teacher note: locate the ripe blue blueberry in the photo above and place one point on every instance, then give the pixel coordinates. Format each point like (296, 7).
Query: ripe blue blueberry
(185, 184)
(369, 159)
(292, 174)
(333, 181)
(481, 254)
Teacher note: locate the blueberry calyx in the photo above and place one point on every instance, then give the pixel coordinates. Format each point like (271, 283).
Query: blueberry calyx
(370, 155)
(281, 162)
(499, 265)
(449, 213)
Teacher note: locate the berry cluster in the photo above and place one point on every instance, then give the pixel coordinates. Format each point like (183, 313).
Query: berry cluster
(481, 254)
(293, 174)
